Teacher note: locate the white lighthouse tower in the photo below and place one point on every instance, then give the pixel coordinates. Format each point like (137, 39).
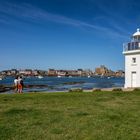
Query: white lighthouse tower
(131, 51)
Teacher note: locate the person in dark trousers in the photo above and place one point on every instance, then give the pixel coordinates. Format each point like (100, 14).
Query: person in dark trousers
(20, 85)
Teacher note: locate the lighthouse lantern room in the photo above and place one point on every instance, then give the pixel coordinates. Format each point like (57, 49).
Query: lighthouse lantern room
(131, 52)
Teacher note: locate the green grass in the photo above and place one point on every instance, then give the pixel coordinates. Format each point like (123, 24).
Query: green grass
(70, 116)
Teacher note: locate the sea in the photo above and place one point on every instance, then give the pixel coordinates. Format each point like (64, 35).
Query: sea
(52, 84)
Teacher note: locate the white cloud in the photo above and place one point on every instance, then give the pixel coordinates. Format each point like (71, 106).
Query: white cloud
(32, 13)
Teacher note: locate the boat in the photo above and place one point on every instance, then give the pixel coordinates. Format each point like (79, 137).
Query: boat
(1, 78)
(102, 76)
(40, 77)
(59, 76)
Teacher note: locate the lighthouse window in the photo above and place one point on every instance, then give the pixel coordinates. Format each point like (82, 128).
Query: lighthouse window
(133, 60)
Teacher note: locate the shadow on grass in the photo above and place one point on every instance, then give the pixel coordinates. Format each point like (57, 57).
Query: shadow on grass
(22, 111)
(56, 131)
(80, 114)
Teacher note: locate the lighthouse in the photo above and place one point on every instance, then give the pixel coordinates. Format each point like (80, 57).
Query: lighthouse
(131, 51)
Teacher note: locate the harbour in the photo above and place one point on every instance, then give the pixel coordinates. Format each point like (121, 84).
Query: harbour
(51, 84)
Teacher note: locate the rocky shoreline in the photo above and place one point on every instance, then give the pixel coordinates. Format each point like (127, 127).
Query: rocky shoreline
(4, 89)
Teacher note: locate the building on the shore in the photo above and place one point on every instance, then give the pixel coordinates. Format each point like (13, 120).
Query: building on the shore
(13, 71)
(120, 73)
(35, 72)
(27, 72)
(102, 70)
(61, 73)
(67, 73)
(52, 72)
(131, 51)
(80, 72)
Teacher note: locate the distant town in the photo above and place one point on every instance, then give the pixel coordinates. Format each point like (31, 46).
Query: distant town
(99, 71)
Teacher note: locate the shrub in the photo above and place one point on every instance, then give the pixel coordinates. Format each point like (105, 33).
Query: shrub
(136, 89)
(117, 89)
(76, 90)
(97, 89)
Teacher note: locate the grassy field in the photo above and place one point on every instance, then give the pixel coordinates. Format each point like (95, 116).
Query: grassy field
(70, 116)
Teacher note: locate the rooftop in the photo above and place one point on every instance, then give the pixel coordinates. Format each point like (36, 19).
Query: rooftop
(137, 33)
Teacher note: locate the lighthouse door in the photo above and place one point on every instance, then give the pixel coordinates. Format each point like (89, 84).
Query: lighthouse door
(133, 82)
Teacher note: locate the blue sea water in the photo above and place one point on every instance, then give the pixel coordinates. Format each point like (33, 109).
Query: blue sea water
(59, 84)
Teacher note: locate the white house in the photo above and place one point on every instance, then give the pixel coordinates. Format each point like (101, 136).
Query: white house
(131, 50)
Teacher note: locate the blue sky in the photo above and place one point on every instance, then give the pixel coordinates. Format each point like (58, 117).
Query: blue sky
(65, 34)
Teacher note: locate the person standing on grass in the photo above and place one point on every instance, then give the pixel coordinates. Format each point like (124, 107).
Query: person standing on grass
(16, 84)
(20, 85)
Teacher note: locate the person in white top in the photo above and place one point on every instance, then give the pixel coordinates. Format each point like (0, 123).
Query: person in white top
(16, 84)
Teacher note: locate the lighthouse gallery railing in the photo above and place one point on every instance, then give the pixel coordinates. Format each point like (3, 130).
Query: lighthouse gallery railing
(131, 46)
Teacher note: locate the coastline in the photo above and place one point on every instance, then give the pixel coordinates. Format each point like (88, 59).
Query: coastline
(63, 84)
(110, 89)
(11, 91)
